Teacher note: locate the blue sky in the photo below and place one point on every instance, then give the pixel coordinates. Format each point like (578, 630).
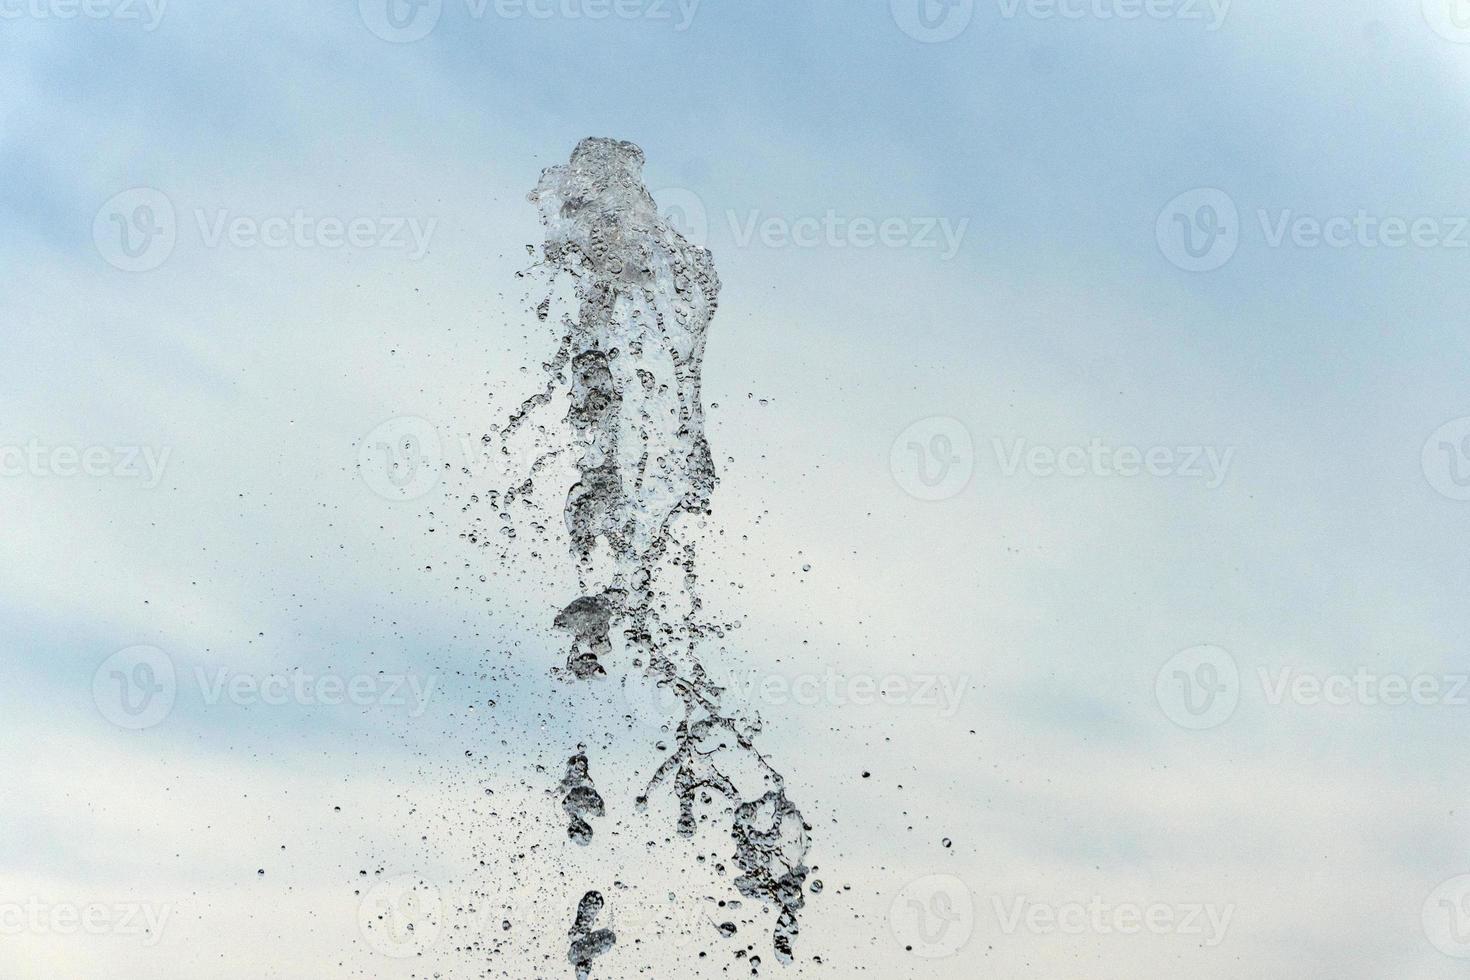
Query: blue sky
(1331, 547)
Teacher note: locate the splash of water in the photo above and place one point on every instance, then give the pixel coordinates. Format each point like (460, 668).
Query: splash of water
(630, 361)
(580, 798)
(588, 943)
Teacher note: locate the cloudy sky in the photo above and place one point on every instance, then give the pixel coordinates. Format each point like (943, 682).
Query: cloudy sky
(1104, 360)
